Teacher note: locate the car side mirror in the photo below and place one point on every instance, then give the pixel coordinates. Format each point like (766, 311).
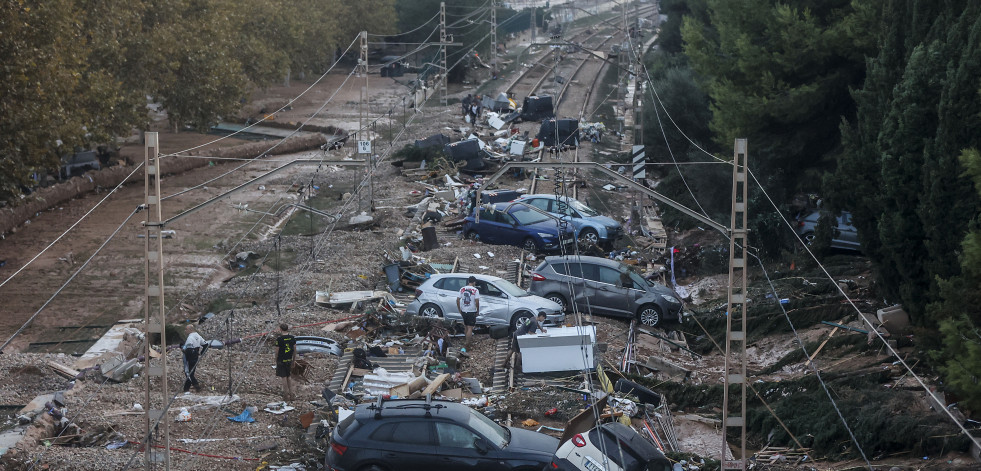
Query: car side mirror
(480, 446)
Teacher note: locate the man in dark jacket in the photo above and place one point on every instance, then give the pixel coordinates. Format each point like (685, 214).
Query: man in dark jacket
(285, 354)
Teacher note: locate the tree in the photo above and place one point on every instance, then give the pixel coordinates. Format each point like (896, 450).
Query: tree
(960, 307)
(899, 172)
(778, 73)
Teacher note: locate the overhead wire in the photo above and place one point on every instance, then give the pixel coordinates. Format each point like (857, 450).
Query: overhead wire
(323, 241)
(140, 166)
(406, 32)
(656, 97)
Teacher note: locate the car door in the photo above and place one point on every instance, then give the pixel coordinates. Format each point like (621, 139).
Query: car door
(447, 292)
(489, 227)
(584, 285)
(847, 232)
(494, 308)
(540, 203)
(511, 232)
(610, 292)
(408, 444)
(457, 449)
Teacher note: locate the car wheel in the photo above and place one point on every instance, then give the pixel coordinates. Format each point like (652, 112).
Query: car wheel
(518, 315)
(472, 235)
(530, 246)
(649, 315)
(588, 237)
(807, 237)
(557, 299)
(430, 310)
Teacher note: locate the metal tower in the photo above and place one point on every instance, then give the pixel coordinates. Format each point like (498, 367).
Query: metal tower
(157, 446)
(734, 394)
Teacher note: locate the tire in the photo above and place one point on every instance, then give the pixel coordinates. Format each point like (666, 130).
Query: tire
(649, 315)
(808, 238)
(588, 237)
(472, 235)
(519, 315)
(529, 245)
(558, 299)
(430, 310)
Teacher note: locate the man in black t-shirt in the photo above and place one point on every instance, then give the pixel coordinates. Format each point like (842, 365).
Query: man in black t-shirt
(285, 353)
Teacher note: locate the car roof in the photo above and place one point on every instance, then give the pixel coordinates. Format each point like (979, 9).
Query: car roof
(642, 447)
(466, 275)
(548, 196)
(401, 408)
(583, 258)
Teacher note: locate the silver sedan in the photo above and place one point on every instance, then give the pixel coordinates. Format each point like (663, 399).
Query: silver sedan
(501, 302)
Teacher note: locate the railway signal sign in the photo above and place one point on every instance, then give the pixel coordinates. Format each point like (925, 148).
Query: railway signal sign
(364, 147)
(638, 156)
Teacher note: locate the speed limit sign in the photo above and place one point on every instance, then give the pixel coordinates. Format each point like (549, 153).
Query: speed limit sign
(364, 147)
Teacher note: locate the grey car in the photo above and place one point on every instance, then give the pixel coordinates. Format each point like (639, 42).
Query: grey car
(501, 302)
(606, 287)
(845, 235)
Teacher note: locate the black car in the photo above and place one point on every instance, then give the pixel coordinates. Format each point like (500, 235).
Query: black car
(415, 434)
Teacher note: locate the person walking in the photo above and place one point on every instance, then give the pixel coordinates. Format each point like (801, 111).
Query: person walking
(466, 103)
(193, 348)
(285, 354)
(468, 303)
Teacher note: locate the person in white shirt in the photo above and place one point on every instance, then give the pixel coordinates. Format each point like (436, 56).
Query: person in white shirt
(468, 303)
(193, 348)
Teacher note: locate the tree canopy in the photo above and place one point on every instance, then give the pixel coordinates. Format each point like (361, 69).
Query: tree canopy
(875, 105)
(79, 72)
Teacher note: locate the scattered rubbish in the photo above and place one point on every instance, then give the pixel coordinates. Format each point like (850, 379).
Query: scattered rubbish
(529, 422)
(184, 415)
(116, 445)
(278, 408)
(311, 344)
(245, 416)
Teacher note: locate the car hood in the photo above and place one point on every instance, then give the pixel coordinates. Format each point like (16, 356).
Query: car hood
(526, 441)
(604, 220)
(549, 226)
(662, 290)
(533, 301)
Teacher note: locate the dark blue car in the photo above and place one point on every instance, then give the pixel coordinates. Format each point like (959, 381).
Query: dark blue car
(521, 225)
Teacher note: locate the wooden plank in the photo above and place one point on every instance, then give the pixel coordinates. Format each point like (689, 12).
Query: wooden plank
(350, 369)
(434, 386)
(63, 370)
(818, 350)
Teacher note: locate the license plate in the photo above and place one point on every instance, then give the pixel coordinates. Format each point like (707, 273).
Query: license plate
(591, 464)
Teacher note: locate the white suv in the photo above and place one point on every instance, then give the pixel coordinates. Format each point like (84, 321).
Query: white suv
(625, 450)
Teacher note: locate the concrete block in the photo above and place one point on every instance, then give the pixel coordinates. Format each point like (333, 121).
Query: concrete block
(894, 318)
(667, 367)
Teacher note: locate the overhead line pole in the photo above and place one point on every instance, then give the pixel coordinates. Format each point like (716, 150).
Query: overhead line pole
(734, 408)
(494, 35)
(442, 41)
(154, 314)
(363, 133)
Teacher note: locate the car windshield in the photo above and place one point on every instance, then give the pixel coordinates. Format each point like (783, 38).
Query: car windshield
(510, 288)
(488, 429)
(586, 211)
(639, 281)
(525, 215)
